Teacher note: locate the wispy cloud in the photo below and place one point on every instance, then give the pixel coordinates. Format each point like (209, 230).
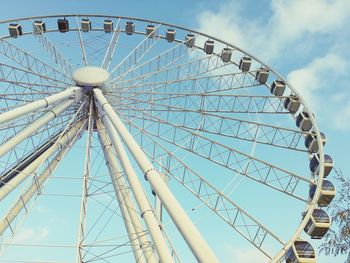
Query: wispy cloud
(300, 37)
(31, 234)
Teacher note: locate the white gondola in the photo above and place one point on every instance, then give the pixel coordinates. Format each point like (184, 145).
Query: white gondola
(245, 63)
(170, 34)
(129, 27)
(327, 193)
(292, 104)
(300, 252)
(303, 121)
(278, 87)
(108, 25)
(315, 164)
(86, 25)
(311, 142)
(150, 30)
(262, 75)
(189, 40)
(63, 25)
(209, 47)
(15, 30)
(318, 224)
(226, 54)
(39, 27)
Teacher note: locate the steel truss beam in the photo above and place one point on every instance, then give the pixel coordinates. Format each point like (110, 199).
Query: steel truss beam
(132, 223)
(223, 125)
(193, 238)
(135, 56)
(230, 158)
(111, 48)
(245, 224)
(73, 92)
(31, 63)
(163, 60)
(39, 180)
(35, 126)
(56, 55)
(30, 169)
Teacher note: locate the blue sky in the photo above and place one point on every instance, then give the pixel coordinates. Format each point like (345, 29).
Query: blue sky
(305, 41)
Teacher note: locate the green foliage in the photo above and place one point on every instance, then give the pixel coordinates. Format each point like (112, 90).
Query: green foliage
(337, 240)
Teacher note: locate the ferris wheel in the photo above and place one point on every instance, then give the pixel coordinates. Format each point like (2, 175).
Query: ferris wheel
(177, 144)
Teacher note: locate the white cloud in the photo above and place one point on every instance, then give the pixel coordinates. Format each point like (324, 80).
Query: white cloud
(31, 234)
(301, 32)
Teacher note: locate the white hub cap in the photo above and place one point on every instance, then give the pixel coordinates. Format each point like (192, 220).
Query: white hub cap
(90, 76)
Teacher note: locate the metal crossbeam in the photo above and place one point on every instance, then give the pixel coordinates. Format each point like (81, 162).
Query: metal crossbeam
(111, 48)
(230, 158)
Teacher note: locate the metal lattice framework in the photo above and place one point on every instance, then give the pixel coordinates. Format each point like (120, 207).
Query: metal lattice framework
(184, 119)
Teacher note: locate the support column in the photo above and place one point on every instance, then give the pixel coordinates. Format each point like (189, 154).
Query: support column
(196, 242)
(145, 207)
(73, 92)
(36, 185)
(30, 169)
(132, 223)
(35, 126)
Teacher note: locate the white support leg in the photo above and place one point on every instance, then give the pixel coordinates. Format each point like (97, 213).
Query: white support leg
(73, 92)
(30, 169)
(132, 222)
(196, 242)
(145, 207)
(33, 188)
(35, 126)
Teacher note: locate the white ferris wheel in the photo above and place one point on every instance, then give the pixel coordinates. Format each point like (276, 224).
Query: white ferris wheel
(168, 143)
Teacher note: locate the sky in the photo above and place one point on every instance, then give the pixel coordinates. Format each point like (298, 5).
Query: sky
(305, 41)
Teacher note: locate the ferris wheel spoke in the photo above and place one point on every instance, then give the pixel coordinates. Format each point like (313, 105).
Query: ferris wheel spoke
(131, 220)
(186, 70)
(42, 103)
(196, 85)
(245, 224)
(31, 63)
(82, 47)
(37, 185)
(33, 166)
(57, 57)
(193, 238)
(107, 59)
(162, 61)
(225, 125)
(241, 163)
(35, 126)
(136, 55)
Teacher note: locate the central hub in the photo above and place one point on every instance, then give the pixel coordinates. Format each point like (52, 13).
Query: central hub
(90, 77)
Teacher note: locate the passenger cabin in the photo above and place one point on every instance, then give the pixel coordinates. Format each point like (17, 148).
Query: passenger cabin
(63, 25)
(170, 34)
(300, 252)
(15, 30)
(262, 75)
(150, 30)
(318, 224)
(245, 63)
(189, 40)
(315, 164)
(226, 54)
(278, 87)
(129, 27)
(86, 25)
(303, 121)
(108, 25)
(209, 47)
(292, 104)
(39, 27)
(311, 142)
(327, 193)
